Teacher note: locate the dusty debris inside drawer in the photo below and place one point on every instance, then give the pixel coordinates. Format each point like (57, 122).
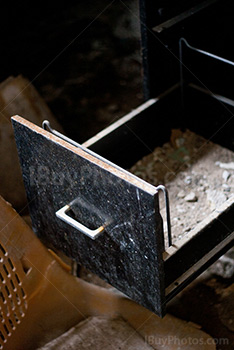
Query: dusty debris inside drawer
(198, 174)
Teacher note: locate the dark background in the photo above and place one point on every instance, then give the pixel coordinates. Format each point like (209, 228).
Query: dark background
(83, 58)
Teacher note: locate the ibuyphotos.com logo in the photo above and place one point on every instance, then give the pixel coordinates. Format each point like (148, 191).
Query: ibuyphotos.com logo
(182, 343)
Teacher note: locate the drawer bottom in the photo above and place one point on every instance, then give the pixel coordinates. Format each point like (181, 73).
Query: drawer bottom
(198, 174)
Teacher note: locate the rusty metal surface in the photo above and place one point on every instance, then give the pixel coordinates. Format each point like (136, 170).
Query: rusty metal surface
(128, 254)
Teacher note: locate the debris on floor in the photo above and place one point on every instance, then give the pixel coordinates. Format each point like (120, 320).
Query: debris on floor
(137, 329)
(17, 96)
(99, 333)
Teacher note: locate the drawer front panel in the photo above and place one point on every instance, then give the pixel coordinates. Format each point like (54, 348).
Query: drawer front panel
(128, 252)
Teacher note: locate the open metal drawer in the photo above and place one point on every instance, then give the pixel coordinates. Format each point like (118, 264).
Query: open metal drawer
(119, 235)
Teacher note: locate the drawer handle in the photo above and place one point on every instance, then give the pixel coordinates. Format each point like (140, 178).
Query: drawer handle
(62, 215)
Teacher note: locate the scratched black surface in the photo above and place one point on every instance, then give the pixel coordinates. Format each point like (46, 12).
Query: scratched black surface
(128, 255)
